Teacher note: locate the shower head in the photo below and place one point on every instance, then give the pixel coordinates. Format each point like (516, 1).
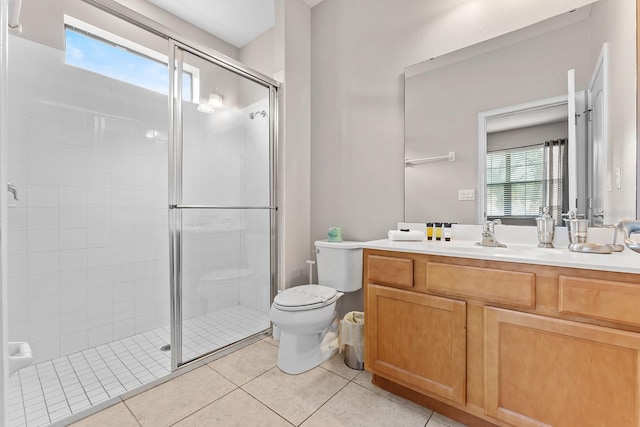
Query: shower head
(255, 114)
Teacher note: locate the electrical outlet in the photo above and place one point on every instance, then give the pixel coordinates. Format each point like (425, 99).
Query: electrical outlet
(618, 178)
(467, 195)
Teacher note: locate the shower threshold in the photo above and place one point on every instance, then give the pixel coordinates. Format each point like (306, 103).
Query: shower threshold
(50, 391)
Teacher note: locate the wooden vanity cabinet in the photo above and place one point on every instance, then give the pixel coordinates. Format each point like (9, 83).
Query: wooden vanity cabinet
(419, 339)
(509, 344)
(541, 371)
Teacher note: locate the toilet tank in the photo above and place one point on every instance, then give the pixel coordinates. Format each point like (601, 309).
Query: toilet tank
(339, 265)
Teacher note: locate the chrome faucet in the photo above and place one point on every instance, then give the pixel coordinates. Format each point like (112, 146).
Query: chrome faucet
(13, 190)
(489, 235)
(628, 227)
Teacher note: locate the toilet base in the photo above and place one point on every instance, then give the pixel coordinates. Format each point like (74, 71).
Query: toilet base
(299, 353)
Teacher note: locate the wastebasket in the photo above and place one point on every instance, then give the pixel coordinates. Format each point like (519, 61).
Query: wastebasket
(351, 339)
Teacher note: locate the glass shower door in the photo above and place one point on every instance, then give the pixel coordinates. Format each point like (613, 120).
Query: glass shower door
(222, 215)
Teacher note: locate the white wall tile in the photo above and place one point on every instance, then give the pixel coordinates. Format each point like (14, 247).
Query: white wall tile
(43, 196)
(73, 280)
(18, 288)
(73, 197)
(99, 315)
(74, 342)
(99, 257)
(123, 217)
(100, 335)
(72, 323)
(17, 241)
(99, 277)
(123, 328)
(44, 284)
(72, 155)
(43, 173)
(43, 262)
(99, 237)
(73, 301)
(43, 240)
(72, 176)
(98, 217)
(75, 259)
(41, 218)
(123, 235)
(73, 238)
(124, 309)
(144, 270)
(145, 322)
(44, 328)
(121, 254)
(98, 198)
(122, 273)
(45, 350)
(72, 218)
(18, 219)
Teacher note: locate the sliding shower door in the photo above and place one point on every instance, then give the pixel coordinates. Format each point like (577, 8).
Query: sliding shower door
(221, 208)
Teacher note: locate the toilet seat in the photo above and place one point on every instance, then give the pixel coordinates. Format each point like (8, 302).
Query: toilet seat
(305, 297)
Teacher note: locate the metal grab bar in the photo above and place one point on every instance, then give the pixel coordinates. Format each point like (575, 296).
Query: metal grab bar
(220, 207)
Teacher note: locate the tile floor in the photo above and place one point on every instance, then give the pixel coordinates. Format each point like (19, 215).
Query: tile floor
(50, 391)
(246, 388)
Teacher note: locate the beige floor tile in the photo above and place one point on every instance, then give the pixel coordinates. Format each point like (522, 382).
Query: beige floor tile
(236, 409)
(114, 416)
(357, 406)
(364, 379)
(448, 422)
(271, 341)
(295, 397)
(174, 400)
(337, 366)
(248, 363)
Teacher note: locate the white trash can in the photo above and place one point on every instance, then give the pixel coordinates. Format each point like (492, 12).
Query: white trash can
(351, 339)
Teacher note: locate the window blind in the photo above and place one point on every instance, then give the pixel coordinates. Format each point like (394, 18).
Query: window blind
(514, 182)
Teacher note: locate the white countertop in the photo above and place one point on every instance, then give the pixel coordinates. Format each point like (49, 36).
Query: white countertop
(626, 261)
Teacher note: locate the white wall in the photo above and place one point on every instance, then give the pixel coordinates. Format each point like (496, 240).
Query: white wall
(614, 21)
(294, 156)
(359, 51)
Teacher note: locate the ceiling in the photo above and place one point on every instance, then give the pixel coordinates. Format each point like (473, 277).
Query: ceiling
(237, 22)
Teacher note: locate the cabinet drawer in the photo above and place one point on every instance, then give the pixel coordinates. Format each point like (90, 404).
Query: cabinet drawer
(500, 286)
(390, 271)
(599, 299)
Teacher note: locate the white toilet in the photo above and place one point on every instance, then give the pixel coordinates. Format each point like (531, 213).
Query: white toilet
(306, 315)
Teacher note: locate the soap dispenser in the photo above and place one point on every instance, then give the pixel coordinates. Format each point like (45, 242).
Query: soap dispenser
(546, 228)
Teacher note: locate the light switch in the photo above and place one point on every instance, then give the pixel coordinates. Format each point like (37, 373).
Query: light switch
(467, 194)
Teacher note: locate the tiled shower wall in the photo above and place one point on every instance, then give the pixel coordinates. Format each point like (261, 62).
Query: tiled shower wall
(88, 239)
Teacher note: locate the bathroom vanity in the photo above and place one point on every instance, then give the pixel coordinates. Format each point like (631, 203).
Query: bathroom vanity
(517, 336)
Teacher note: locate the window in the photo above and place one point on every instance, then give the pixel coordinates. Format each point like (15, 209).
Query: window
(514, 182)
(96, 50)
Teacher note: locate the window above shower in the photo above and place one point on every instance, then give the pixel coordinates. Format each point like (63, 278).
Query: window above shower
(94, 49)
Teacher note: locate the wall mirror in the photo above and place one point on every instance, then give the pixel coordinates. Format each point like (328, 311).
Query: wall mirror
(480, 103)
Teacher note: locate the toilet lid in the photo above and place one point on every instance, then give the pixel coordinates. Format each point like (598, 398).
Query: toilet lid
(305, 297)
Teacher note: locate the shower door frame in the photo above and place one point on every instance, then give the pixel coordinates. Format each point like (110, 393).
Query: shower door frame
(175, 39)
(176, 49)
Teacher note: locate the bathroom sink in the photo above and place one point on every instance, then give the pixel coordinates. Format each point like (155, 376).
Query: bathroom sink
(511, 251)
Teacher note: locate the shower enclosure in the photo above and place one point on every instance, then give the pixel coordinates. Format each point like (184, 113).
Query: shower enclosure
(143, 237)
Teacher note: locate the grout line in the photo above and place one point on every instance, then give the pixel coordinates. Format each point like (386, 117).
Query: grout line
(205, 405)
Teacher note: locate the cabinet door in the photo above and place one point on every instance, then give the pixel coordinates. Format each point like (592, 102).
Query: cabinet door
(417, 339)
(541, 371)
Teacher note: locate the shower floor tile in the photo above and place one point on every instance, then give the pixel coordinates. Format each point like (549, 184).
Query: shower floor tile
(49, 391)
